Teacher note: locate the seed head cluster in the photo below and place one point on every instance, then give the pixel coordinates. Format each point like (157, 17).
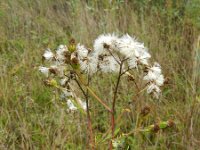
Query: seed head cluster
(109, 52)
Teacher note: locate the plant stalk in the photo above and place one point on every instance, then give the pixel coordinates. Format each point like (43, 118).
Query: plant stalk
(113, 105)
(91, 138)
(89, 122)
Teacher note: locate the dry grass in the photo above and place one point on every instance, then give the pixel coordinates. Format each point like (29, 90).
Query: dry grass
(31, 115)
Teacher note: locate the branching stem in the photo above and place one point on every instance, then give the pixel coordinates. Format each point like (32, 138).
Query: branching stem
(113, 103)
(95, 96)
(86, 94)
(92, 142)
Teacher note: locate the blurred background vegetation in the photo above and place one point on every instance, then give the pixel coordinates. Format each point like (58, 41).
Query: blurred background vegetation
(30, 115)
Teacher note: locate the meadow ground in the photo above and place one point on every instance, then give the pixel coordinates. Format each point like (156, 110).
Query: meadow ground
(31, 115)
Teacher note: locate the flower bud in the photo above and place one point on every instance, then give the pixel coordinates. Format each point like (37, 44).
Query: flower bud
(50, 82)
(72, 46)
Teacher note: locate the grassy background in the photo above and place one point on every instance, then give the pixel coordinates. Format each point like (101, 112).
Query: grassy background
(31, 117)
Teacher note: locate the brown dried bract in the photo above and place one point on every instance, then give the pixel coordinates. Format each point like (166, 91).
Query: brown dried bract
(130, 78)
(156, 128)
(167, 80)
(72, 41)
(170, 123)
(53, 70)
(74, 60)
(46, 82)
(145, 111)
(106, 46)
(146, 69)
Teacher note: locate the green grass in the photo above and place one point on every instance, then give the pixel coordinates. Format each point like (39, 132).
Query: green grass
(31, 117)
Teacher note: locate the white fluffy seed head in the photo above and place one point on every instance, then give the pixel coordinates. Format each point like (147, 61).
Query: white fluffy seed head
(83, 105)
(153, 89)
(109, 65)
(48, 54)
(63, 81)
(81, 51)
(155, 75)
(132, 49)
(71, 106)
(89, 64)
(156, 68)
(151, 76)
(44, 70)
(103, 42)
(66, 92)
(143, 57)
(160, 80)
(155, 79)
(60, 51)
(132, 62)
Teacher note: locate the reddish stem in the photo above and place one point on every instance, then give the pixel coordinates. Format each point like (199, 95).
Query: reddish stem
(91, 138)
(89, 122)
(113, 105)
